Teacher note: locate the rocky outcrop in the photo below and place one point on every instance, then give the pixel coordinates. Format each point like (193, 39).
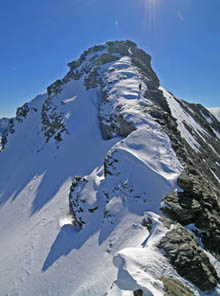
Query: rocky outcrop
(190, 261)
(124, 48)
(55, 88)
(22, 112)
(110, 164)
(198, 205)
(81, 207)
(119, 126)
(175, 288)
(76, 203)
(52, 121)
(138, 293)
(75, 64)
(105, 58)
(8, 129)
(91, 81)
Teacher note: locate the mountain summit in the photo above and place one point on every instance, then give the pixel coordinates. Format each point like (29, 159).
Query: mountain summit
(110, 185)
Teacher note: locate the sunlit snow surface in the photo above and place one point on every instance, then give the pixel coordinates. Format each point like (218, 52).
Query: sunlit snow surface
(41, 252)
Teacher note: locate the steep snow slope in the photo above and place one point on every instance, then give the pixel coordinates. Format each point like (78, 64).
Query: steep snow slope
(215, 112)
(83, 173)
(35, 195)
(182, 118)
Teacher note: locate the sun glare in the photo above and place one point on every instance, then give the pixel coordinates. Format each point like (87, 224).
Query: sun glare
(150, 10)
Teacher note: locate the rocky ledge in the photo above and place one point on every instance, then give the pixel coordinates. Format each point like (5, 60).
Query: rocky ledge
(190, 261)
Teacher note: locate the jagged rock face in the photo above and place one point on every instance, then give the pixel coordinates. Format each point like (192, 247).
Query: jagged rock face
(187, 257)
(22, 112)
(55, 88)
(198, 205)
(52, 121)
(105, 58)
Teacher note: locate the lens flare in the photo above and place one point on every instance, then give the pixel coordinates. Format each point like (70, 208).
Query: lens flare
(150, 8)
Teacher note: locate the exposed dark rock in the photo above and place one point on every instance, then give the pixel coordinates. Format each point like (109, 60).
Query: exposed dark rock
(186, 256)
(9, 129)
(93, 209)
(138, 292)
(125, 127)
(79, 206)
(185, 182)
(58, 137)
(52, 121)
(76, 201)
(120, 47)
(199, 205)
(91, 81)
(156, 96)
(74, 64)
(147, 223)
(55, 88)
(110, 162)
(105, 58)
(22, 112)
(75, 75)
(118, 44)
(175, 288)
(118, 127)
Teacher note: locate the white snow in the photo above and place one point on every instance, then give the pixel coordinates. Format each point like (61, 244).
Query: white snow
(67, 101)
(215, 111)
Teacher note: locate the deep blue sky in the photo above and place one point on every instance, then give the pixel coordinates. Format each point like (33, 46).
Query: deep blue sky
(38, 38)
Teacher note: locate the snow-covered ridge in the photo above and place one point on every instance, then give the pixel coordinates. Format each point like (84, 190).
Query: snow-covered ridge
(82, 178)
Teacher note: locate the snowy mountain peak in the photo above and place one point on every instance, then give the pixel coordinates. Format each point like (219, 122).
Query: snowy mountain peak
(103, 178)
